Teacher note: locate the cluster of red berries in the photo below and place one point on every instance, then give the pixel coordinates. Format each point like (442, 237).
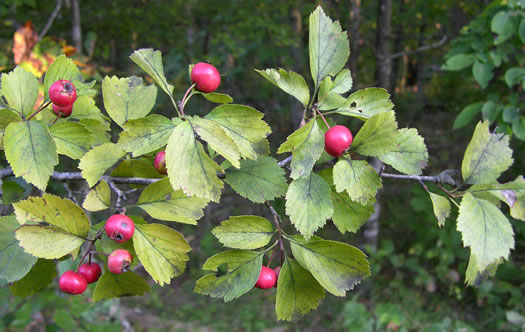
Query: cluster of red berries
(119, 228)
(62, 94)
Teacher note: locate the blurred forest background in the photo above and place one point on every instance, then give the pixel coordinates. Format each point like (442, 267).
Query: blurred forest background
(445, 70)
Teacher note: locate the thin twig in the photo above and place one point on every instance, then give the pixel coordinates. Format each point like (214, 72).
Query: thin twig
(421, 49)
(50, 20)
(277, 221)
(121, 196)
(425, 178)
(70, 193)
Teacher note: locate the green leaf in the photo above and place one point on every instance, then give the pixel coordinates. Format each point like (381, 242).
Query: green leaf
(490, 111)
(343, 82)
(84, 108)
(518, 127)
(112, 285)
(6, 117)
(161, 250)
(145, 135)
(377, 136)
(475, 274)
(127, 98)
(72, 139)
(161, 202)
(510, 112)
(129, 168)
(217, 139)
(337, 266)
(308, 204)
(458, 62)
(98, 198)
(327, 99)
(410, 154)
(306, 145)
(39, 277)
(485, 229)
(14, 261)
(514, 75)
(503, 24)
(20, 89)
(97, 161)
(244, 232)
(62, 68)
(290, 82)
(482, 73)
(358, 178)
(12, 192)
(189, 167)
(366, 103)
(151, 62)
(258, 180)
(328, 46)
(53, 210)
(486, 157)
(521, 30)
(47, 241)
(218, 98)
(441, 207)
(30, 151)
(466, 115)
(243, 269)
(245, 126)
(297, 291)
(349, 216)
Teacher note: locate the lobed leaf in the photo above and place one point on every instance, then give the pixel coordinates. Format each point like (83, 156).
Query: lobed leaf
(258, 180)
(486, 157)
(297, 291)
(378, 136)
(161, 250)
(337, 266)
(30, 151)
(97, 161)
(72, 139)
(145, 135)
(189, 167)
(20, 90)
(288, 81)
(151, 62)
(39, 277)
(127, 98)
(98, 198)
(244, 232)
(243, 269)
(161, 202)
(358, 178)
(14, 261)
(47, 241)
(365, 103)
(410, 154)
(441, 207)
(112, 285)
(308, 204)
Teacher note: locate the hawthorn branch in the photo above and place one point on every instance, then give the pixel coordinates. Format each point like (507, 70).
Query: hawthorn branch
(121, 196)
(443, 177)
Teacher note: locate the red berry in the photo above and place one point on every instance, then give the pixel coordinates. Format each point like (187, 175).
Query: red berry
(337, 139)
(206, 77)
(267, 278)
(62, 93)
(120, 228)
(90, 271)
(160, 162)
(119, 261)
(277, 270)
(63, 111)
(72, 283)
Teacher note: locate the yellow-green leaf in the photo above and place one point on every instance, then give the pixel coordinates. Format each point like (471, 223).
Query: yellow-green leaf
(244, 232)
(112, 285)
(14, 262)
(97, 161)
(20, 89)
(98, 198)
(47, 241)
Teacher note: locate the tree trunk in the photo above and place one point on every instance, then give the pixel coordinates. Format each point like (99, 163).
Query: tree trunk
(76, 30)
(382, 78)
(398, 47)
(353, 36)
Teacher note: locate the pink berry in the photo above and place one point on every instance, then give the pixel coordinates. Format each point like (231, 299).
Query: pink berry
(119, 261)
(267, 278)
(72, 283)
(160, 162)
(120, 228)
(206, 77)
(62, 93)
(337, 140)
(90, 271)
(63, 111)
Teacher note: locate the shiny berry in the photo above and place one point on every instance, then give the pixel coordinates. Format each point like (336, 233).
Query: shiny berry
(267, 278)
(160, 162)
(120, 228)
(337, 139)
(206, 77)
(72, 283)
(63, 111)
(119, 261)
(62, 93)
(90, 271)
